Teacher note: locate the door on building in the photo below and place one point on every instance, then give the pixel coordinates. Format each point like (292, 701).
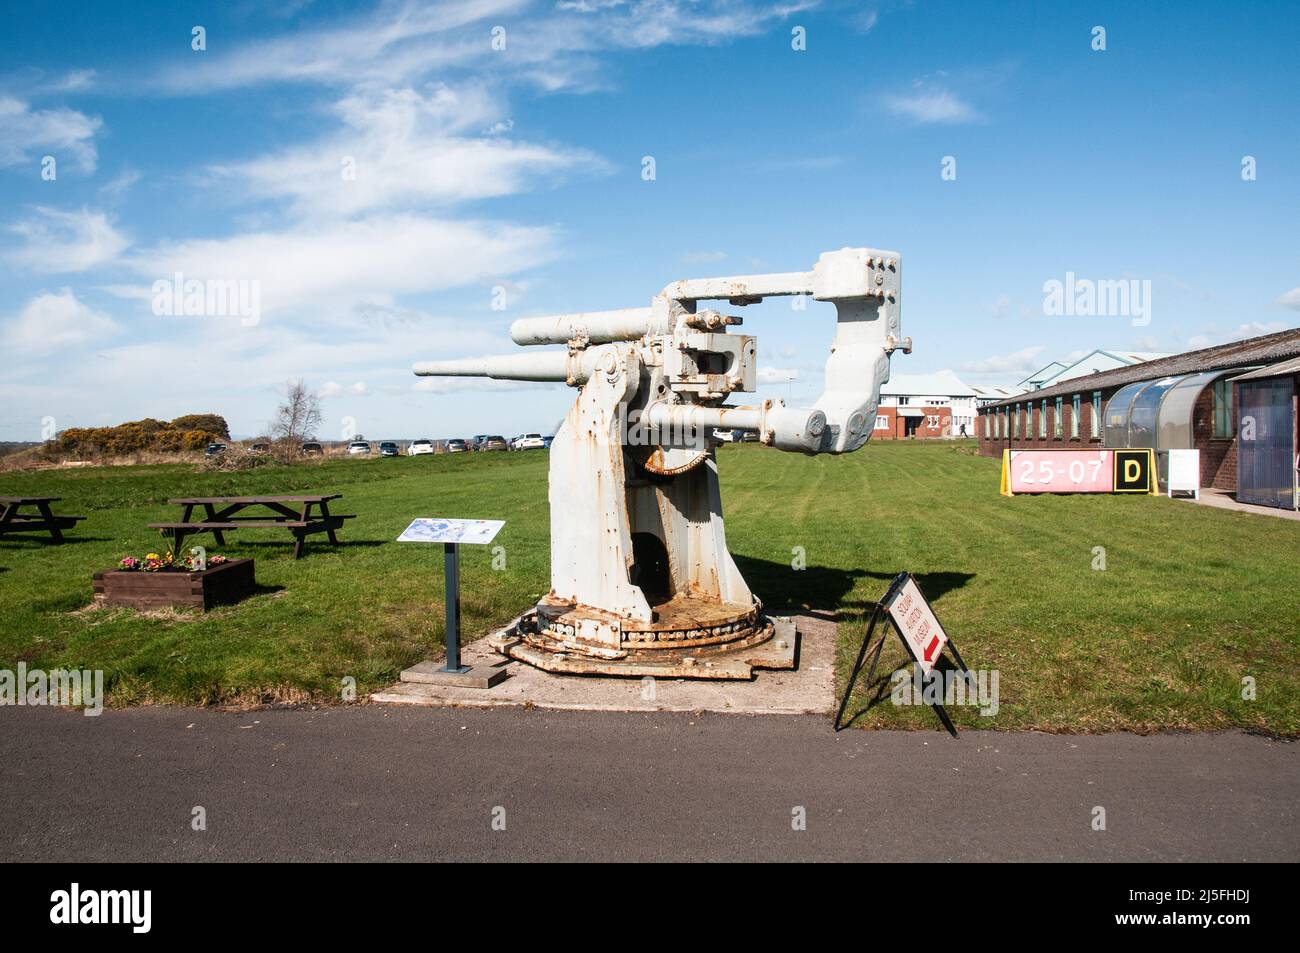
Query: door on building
(1265, 444)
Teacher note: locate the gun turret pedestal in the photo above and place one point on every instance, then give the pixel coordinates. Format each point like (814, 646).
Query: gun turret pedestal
(642, 582)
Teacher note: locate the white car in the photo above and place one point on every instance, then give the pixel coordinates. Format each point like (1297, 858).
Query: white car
(726, 436)
(529, 441)
(358, 448)
(419, 447)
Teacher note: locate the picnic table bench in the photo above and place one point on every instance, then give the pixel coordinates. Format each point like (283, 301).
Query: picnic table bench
(224, 513)
(43, 520)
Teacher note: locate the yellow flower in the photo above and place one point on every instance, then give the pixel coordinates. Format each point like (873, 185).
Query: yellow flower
(152, 556)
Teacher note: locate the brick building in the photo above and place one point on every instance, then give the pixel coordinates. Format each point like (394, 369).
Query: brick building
(912, 421)
(1181, 401)
(925, 406)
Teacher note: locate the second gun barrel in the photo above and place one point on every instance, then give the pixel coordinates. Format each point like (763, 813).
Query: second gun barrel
(598, 327)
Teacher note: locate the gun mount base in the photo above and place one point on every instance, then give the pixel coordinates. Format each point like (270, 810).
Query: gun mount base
(689, 638)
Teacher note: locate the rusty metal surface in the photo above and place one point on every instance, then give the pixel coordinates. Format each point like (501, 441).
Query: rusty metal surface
(667, 461)
(772, 644)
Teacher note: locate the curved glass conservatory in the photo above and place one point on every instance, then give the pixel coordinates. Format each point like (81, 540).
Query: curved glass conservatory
(1157, 414)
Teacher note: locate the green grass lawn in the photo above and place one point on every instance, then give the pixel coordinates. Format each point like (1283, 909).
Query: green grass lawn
(1192, 599)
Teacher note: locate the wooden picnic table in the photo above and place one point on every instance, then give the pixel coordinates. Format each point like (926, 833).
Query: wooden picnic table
(43, 520)
(224, 513)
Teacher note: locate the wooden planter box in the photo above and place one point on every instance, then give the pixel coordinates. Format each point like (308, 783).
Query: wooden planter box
(229, 582)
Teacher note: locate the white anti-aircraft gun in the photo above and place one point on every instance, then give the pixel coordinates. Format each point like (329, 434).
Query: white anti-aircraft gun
(641, 579)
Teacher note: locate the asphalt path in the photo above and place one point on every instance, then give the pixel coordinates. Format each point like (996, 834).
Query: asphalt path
(406, 784)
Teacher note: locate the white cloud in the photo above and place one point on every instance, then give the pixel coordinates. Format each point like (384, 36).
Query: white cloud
(1250, 329)
(244, 367)
(588, 6)
(1024, 361)
(334, 267)
(74, 81)
(397, 43)
(403, 43)
(932, 105)
(53, 321)
(58, 242)
(64, 133)
(866, 21)
(335, 389)
(113, 190)
(1290, 299)
(401, 148)
(777, 375)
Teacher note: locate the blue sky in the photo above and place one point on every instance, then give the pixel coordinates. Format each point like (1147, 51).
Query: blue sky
(478, 169)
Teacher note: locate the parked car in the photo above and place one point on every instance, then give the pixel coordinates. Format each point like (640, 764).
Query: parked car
(358, 448)
(312, 449)
(476, 442)
(260, 448)
(494, 443)
(456, 446)
(736, 436)
(528, 441)
(419, 447)
(389, 449)
(214, 449)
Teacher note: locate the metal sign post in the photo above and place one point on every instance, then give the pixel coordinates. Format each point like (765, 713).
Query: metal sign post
(451, 573)
(451, 533)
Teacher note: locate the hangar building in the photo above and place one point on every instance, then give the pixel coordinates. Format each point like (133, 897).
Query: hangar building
(1236, 403)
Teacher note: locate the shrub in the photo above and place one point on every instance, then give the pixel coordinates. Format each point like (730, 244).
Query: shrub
(235, 460)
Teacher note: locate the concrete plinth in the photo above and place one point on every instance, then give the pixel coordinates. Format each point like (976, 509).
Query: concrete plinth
(809, 689)
(477, 676)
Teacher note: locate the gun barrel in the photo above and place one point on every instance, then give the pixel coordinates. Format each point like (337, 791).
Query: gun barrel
(560, 366)
(547, 366)
(599, 327)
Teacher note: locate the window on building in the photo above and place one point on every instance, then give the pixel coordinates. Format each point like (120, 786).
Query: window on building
(1225, 424)
(1058, 425)
(902, 401)
(882, 423)
(1042, 418)
(1096, 414)
(1015, 431)
(1074, 416)
(986, 426)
